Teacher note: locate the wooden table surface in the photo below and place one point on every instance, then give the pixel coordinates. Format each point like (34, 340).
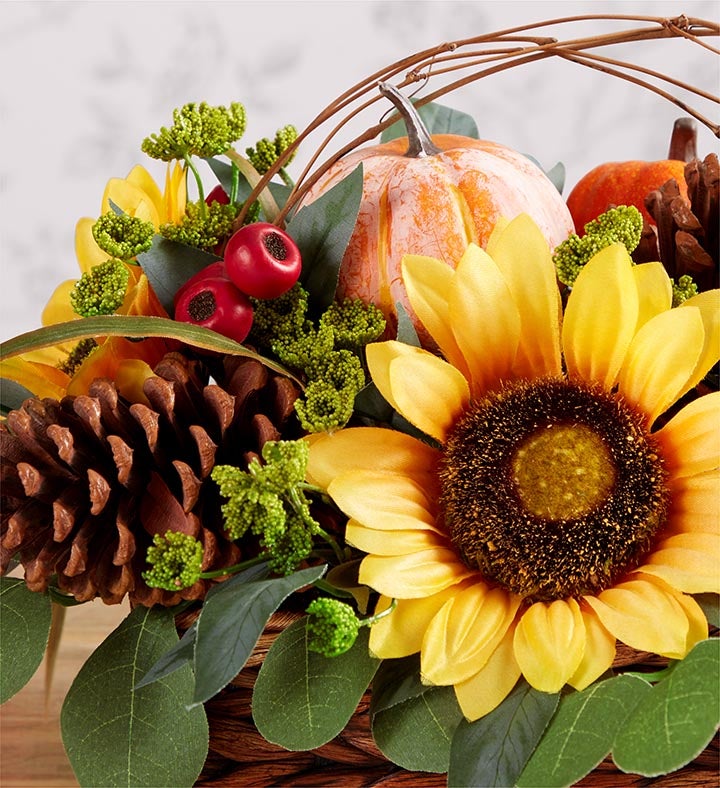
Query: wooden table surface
(31, 750)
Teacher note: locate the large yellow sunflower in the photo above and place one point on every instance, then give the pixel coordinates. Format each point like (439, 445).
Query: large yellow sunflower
(551, 514)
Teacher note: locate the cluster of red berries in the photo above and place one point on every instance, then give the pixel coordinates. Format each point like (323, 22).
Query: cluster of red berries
(260, 260)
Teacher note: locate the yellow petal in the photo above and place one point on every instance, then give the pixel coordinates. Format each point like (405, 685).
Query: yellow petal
(691, 439)
(694, 504)
(133, 200)
(661, 359)
(414, 575)
(689, 562)
(379, 356)
(486, 321)
(141, 178)
(654, 291)
(401, 632)
(598, 655)
(709, 305)
(501, 224)
(175, 197)
(41, 379)
(369, 448)
(600, 317)
(465, 632)
(58, 308)
(698, 625)
(88, 253)
(427, 282)
(489, 687)
(430, 393)
(523, 257)
(389, 542)
(644, 616)
(549, 643)
(384, 500)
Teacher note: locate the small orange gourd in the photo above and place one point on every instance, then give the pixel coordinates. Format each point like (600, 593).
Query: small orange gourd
(432, 196)
(629, 182)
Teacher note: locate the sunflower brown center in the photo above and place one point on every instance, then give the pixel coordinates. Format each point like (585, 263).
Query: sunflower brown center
(552, 488)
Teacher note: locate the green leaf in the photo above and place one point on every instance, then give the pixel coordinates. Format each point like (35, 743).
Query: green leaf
(673, 724)
(169, 264)
(223, 172)
(231, 622)
(581, 734)
(322, 232)
(25, 617)
(115, 736)
(12, 395)
(493, 750)
(180, 654)
(437, 119)
(710, 604)
(405, 329)
(301, 699)
(396, 681)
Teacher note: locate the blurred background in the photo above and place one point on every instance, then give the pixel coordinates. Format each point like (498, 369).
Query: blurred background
(84, 82)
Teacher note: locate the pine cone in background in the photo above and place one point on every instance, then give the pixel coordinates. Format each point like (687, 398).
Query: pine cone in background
(88, 481)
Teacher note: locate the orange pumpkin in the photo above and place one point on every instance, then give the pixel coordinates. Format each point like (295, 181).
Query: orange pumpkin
(433, 196)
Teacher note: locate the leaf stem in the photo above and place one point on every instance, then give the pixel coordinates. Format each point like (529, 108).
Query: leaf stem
(235, 568)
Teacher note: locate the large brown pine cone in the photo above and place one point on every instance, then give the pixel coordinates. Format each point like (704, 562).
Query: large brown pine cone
(88, 481)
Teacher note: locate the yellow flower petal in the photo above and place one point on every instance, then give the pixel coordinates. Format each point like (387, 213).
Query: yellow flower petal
(427, 282)
(133, 200)
(88, 253)
(661, 359)
(414, 575)
(489, 687)
(598, 655)
(369, 448)
(524, 259)
(429, 392)
(691, 439)
(486, 321)
(175, 197)
(698, 624)
(465, 632)
(141, 178)
(58, 308)
(389, 542)
(643, 615)
(549, 643)
(384, 500)
(401, 633)
(41, 379)
(709, 305)
(654, 291)
(689, 562)
(694, 503)
(379, 356)
(600, 317)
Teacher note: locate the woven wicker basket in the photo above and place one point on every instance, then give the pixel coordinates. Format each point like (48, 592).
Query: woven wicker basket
(238, 755)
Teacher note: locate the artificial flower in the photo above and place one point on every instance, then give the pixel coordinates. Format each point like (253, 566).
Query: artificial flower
(556, 506)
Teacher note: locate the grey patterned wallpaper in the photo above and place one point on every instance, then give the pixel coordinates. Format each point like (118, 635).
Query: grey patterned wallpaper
(84, 82)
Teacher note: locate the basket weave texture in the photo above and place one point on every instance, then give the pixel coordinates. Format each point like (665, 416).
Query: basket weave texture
(240, 756)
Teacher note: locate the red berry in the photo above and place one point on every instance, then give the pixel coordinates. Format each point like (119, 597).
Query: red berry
(218, 194)
(262, 260)
(213, 271)
(214, 302)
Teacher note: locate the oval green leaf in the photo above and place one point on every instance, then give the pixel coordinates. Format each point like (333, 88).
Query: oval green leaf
(673, 724)
(302, 699)
(25, 617)
(581, 734)
(115, 736)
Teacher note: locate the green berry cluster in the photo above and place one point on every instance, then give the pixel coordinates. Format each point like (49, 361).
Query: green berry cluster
(266, 151)
(176, 560)
(203, 226)
(101, 290)
(122, 236)
(332, 626)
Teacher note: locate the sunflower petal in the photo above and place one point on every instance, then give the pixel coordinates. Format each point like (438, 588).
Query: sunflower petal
(694, 504)
(598, 655)
(415, 575)
(380, 356)
(698, 624)
(691, 439)
(549, 643)
(523, 257)
(709, 305)
(600, 317)
(369, 448)
(486, 321)
(661, 360)
(465, 632)
(654, 291)
(643, 615)
(388, 542)
(689, 562)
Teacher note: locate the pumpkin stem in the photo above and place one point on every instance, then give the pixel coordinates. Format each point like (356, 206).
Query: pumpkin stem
(683, 142)
(420, 142)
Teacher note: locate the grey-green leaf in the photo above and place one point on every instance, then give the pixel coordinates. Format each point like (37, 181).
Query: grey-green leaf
(673, 724)
(115, 736)
(232, 620)
(12, 395)
(710, 604)
(25, 617)
(437, 119)
(302, 699)
(581, 733)
(493, 750)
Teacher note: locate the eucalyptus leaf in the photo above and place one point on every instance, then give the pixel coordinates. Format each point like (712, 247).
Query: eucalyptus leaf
(302, 699)
(169, 264)
(493, 750)
(710, 604)
(405, 329)
(223, 172)
(396, 681)
(232, 620)
(581, 733)
(437, 119)
(180, 654)
(322, 231)
(115, 736)
(674, 722)
(25, 617)
(12, 395)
